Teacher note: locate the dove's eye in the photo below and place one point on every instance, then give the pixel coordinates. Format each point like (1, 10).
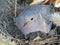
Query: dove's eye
(31, 18)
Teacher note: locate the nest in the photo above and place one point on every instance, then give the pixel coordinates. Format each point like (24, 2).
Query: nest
(9, 33)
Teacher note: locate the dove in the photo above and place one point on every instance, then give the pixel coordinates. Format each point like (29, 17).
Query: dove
(35, 18)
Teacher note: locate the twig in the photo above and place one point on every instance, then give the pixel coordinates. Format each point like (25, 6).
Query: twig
(15, 7)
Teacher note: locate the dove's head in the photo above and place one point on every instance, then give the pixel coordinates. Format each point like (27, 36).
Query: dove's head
(31, 22)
